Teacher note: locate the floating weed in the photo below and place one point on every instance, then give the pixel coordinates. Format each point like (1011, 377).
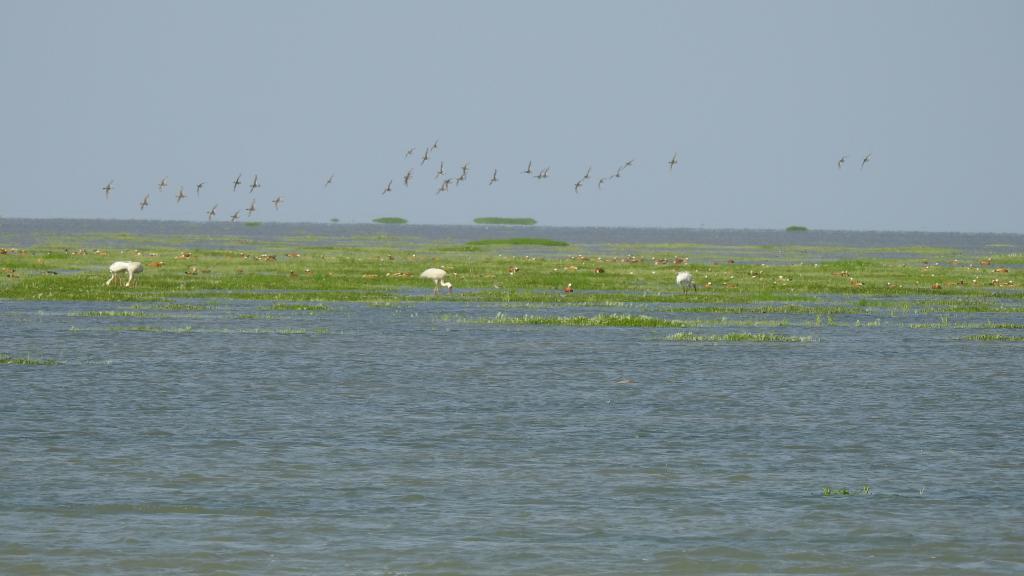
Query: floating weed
(967, 325)
(865, 490)
(773, 309)
(190, 329)
(116, 313)
(299, 307)
(7, 359)
(622, 320)
(994, 338)
(737, 337)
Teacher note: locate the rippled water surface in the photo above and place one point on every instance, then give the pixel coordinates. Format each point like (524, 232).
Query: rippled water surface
(230, 437)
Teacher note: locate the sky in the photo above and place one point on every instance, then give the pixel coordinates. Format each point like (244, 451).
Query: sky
(758, 100)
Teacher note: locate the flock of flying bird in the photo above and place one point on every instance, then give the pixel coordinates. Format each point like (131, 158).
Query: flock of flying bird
(445, 181)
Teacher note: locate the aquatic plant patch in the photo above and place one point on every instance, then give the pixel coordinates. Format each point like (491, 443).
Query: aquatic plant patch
(505, 221)
(24, 361)
(737, 337)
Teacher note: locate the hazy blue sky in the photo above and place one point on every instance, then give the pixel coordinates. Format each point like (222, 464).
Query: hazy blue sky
(759, 99)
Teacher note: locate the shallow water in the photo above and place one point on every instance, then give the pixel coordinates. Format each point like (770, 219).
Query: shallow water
(232, 437)
(24, 232)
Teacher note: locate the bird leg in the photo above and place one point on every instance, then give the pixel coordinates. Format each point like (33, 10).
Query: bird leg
(112, 274)
(129, 279)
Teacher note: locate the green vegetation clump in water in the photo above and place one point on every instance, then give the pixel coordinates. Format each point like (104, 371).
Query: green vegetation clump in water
(508, 221)
(737, 337)
(796, 229)
(994, 338)
(390, 220)
(626, 321)
(865, 490)
(7, 359)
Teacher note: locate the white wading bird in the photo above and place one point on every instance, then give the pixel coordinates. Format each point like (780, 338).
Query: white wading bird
(685, 278)
(131, 268)
(438, 276)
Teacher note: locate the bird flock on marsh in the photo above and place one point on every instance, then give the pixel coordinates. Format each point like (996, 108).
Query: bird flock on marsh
(417, 169)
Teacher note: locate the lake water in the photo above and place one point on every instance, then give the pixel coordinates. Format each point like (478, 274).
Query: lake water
(233, 437)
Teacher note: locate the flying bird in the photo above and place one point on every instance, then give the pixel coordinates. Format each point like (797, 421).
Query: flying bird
(426, 156)
(238, 182)
(181, 194)
(842, 160)
(579, 184)
(407, 177)
(465, 169)
(529, 168)
(865, 160)
(672, 163)
(434, 145)
(600, 183)
(163, 184)
(144, 203)
(106, 189)
(252, 207)
(388, 187)
(587, 175)
(211, 213)
(440, 171)
(410, 151)
(255, 183)
(199, 187)
(276, 201)
(235, 216)
(329, 180)
(494, 177)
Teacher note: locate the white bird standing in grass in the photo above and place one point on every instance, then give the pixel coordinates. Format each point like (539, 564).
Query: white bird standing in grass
(685, 278)
(131, 268)
(438, 276)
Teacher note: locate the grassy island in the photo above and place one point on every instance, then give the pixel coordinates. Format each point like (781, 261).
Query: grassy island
(506, 221)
